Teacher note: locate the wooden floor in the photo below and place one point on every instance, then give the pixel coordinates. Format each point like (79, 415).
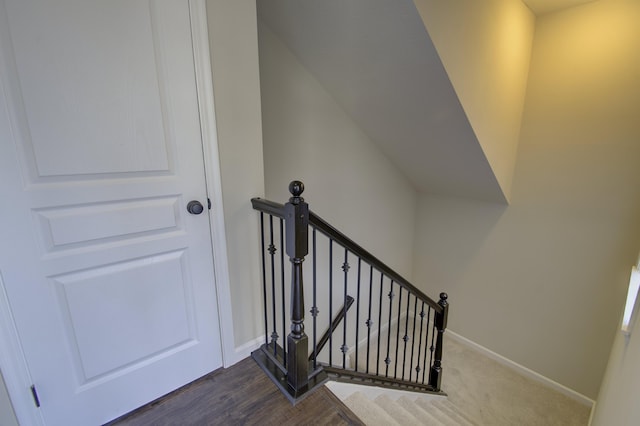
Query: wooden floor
(239, 395)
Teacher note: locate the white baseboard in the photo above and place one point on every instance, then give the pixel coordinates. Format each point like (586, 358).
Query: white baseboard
(243, 351)
(522, 369)
(593, 410)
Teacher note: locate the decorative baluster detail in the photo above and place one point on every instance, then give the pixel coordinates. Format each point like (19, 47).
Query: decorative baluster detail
(395, 371)
(272, 253)
(440, 320)
(369, 323)
(420, 343)
(296, 213)
(426, 342)
(357, 321)
(379, 324)
(264, 281)
(387, 360)
(330, 301)
(282, 292)
(344, 348)
(314, 310)
(406, 336)
(413, 338)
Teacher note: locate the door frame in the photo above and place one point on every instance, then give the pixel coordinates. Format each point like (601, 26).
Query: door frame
(13, 364)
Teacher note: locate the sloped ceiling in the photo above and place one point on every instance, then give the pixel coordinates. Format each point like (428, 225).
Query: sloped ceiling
(377, 61)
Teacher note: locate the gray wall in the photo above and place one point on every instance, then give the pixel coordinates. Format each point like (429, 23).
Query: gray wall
(234, 60)
(349, 182)
(7, 416)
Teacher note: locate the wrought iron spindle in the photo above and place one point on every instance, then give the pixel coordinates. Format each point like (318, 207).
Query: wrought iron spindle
(406, 335)
(330, 301)
(284, 333)
(395, 370)
(314, 309)
(369, 322)
(272, 253)
(420, 343)
(426, 349)
(413, 337)
(387, 360)
(357, 321)
(432, 347)
(264, 281)
(344, 348)
(379, 324)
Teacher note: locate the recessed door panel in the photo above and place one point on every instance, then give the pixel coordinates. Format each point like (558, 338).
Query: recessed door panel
(89, 78)
(120, 315)
(83, 225)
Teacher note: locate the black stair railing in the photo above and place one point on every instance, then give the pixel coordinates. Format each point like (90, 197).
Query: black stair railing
(394, 337)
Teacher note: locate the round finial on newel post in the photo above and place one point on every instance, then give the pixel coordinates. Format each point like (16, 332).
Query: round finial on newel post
(296, 188)
(443, 299)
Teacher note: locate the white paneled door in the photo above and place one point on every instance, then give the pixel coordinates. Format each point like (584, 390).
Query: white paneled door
(108, 277)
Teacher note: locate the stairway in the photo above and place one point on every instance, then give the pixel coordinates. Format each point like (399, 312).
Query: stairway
(480, 391)
(400, 408)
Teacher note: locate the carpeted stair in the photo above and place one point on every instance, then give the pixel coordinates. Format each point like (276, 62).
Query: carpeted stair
(391, 409)
(480, 392)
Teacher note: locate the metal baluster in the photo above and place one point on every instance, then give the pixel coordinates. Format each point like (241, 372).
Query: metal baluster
(284, 332)
(387, 360)
(420, 343)
(344, 348)
(395, 370)
(413, 337)
(330, 301)
(264, 281)
(314, 309)
(272, 252)
(358, 313)
(426, 341)
(432, 348)
(379, 324)
(406, 335)
(369, 323)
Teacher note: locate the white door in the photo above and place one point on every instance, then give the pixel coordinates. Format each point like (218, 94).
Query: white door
(109, 278)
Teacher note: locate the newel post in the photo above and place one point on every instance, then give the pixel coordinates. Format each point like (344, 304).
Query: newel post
(435, 375)
(296, 214)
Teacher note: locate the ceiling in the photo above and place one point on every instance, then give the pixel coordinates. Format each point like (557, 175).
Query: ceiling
(376, 60)
(540, 7)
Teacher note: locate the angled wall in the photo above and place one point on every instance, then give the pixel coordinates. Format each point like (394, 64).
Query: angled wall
(485, 47)
(543, 281)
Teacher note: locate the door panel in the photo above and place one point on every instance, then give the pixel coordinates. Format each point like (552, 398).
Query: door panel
(110, 280)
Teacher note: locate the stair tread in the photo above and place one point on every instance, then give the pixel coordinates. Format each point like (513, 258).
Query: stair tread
(452, 411)
(437, 413)
(370, 413)
(396, 411)
(465, 418)
(424, 416)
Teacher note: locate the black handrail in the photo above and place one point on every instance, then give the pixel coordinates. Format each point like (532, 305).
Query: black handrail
(277, 209)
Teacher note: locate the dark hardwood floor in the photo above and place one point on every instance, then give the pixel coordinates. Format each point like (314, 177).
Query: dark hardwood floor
(239, 395)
